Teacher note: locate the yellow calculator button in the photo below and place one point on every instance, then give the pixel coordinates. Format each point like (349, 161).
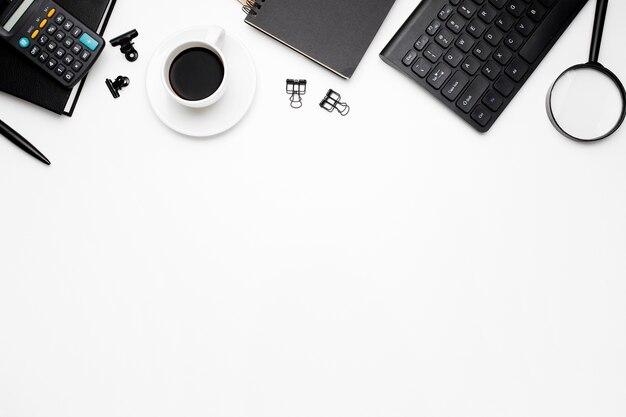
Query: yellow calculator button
(34, 34)
(43, 23)
(52, 12)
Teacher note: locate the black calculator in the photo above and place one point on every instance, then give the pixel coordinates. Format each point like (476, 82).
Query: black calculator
(51, 38)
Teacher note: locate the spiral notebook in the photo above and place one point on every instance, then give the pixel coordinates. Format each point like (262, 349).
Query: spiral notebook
(334, 33)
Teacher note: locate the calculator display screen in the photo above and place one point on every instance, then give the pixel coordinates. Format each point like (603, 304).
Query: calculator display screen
(15, 17)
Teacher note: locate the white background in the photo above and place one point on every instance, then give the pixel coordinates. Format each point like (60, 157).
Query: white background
(390, 263)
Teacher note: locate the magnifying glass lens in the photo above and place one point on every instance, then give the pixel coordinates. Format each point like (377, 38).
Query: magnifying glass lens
(586, 103)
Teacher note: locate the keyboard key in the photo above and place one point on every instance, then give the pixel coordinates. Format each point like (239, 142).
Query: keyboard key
(483, 51)
(516, 7)
(439, 75)
(503, 55)
(493, 100)
(517, 69)
(488, 14)
(467, 9)
(504, 86)
(498, 3)
(433, 27)
(481, 115)
(494, 36)
(491, 70)
(421, 42)
(60, 70)
(476, 28)
(455, 86)
(433, 52)
(472, 95)
(465, 42)
(514, 41)
(505, 21)
(407, 60)
(444, 38)
(471, 65)
(422, 67)
(68, 25)
(456, 23)
(525, 26)
(76, 32)
(536, 13)
(454, 57)
(445, 12)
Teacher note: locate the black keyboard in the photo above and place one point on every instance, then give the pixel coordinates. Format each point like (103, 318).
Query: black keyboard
(475, 55)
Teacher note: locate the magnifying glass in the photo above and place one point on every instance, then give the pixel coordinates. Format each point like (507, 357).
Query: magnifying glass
(588, 102)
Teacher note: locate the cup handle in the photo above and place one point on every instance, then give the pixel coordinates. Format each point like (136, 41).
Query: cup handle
(215, 36)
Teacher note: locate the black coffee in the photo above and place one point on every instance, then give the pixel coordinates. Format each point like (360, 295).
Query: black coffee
(196, 74)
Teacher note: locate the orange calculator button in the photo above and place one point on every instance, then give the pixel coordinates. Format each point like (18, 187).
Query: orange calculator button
(34, 34)
(43, 23)
(52, 12)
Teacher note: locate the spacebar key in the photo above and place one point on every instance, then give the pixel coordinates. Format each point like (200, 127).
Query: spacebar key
(551, 26)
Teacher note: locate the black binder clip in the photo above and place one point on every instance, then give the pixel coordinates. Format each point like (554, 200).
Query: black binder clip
(125, 42)
(332, 102)
(115, 86)
(297, 88)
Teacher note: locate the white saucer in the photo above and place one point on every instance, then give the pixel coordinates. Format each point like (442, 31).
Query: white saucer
(214, 119)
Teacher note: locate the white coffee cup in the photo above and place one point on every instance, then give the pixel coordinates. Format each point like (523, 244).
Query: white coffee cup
(214, 42)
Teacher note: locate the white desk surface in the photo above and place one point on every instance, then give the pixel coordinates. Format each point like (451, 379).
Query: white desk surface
(390, 263)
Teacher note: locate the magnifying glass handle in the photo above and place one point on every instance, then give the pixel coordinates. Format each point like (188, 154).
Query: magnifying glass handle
(598, 29)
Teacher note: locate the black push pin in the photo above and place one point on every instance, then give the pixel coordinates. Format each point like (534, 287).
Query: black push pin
(115, 86)
(125, 42)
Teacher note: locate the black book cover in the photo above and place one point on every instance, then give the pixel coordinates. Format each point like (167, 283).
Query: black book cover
(22, 79)
(334, 33)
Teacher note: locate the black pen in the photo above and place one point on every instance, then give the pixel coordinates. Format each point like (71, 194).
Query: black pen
(22, 143)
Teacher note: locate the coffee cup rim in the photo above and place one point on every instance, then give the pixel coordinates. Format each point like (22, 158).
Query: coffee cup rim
(178, 49)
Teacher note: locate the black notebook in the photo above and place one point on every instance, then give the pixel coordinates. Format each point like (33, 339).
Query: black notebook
(334, 33)
(22, 79)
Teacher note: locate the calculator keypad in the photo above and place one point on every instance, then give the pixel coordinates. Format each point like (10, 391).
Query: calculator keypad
(60, 44)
